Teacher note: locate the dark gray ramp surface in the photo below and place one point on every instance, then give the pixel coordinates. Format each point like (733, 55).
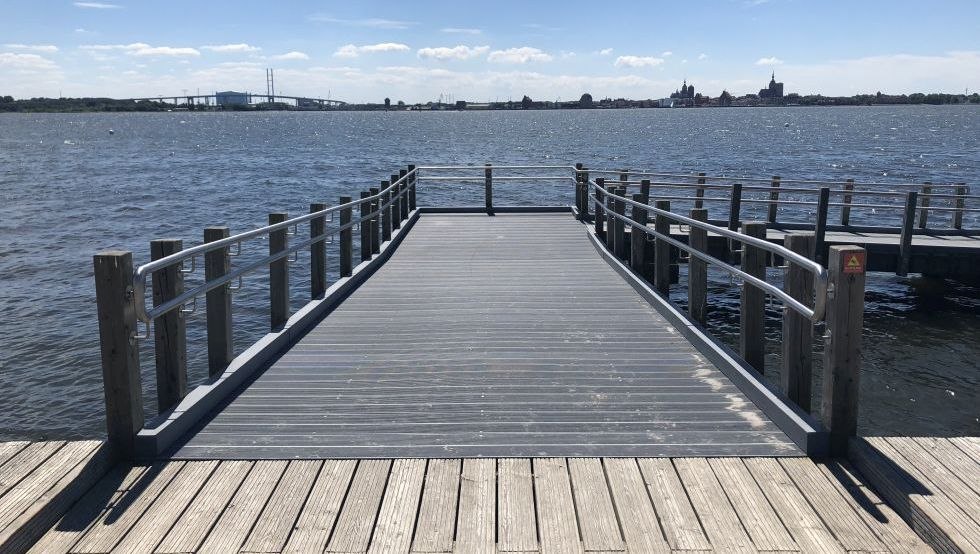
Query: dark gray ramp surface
(491, 336)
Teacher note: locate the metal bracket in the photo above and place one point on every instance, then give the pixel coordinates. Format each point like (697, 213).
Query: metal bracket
(232, 289)
(193, 265)
(184, 311)
(294, 258)
(238, 250)
(135, 337)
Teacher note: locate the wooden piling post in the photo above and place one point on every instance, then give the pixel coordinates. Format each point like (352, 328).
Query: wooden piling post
(365, 224)
(217, 263)
(412, 178)
(610, 218)
(752, 321)
(697, 270)
(488, 188)
(905, 241)
(619, 245)
(773, 198)
(638, 236)
(645, 191)
(386, 212)
(318, 252)
(797, 343)
(579, 197)
(403, 175)
(376, 222)
(734, 216)
(120, 349)
(586, 201)
(842, 349)
(170, 331)
(396, 204)
(699, 192)
(924, 205)
(661, 252)
(961, 192)
(346, 239)
(820, 229)
(845, 211)
(278, 273)
(600, 218)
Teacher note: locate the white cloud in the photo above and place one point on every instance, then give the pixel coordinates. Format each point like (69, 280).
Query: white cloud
(637, 61)
(769, 61)
(375, 23)
(461, 31)
(667, 54)
(702, 56)
(48, 48)
(523, 54)
(232, 48)
(605, 51)
(142, 49)
(97, 5)
(459, 52)
(26, 61)
(294, 55)
(352, 51)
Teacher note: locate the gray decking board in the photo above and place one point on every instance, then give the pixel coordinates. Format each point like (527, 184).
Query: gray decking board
(491, 336)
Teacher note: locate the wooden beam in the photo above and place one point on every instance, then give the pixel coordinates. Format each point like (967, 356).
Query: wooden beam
(752, 320)
(411, 187)
(346, 239)
(318, 252)
(375, 222)
(638, 237)
(488, 188)
(961, 192)
(797, 343)
(845, 211)
(403, 176)
(820, 229)
(396, 204)
(278, 273)
(905, 241)
(599, 216)
(699, 192)
(773, 198)
(697, 270)
(170, 331)
(924, 205)
(365, 223)
(217, 263)
(661, 256)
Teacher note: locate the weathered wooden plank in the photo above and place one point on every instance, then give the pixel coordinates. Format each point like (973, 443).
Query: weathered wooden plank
(43, 474)
(316, 520)
(957, 461)
(26, 461)
(437, 514)
(516, 519)
(597, 517)
(232, 528)
(396, 519)
(158, 519)
(276, 522)
(718, 518)
(945, 482)
(760, 521)
(792, 507)
(477, 524)
(192, 527)
(637, 517)
(352, 532)
(679, 521)
(10, 449)
(556, 511)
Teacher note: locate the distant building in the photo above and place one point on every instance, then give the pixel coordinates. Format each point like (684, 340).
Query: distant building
(775, 89)
(685, 93)
(231, 98)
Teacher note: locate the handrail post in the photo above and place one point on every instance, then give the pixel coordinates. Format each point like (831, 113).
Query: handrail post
(842, 349)
(278, 273)
(585, 194)
(924, 205)
(403, 175)
(619, 240)
(365, 225)
(396, 205)
(845, 211)
(599, 202)
(773, 198)
(579, 197)
(375, 222)
(797, 340)
(645, 191)
(346, 239)
(661, 250)
(170, 331)
(699, 193)
(820, 229)
(120, 349)
(905, 242)
(961, 192)
(386, 212)
(411, 187)
(697, 270)
(217, 263)
(734, 215)
(318, 252)
(488, 188)
(638, 238)
(752, 321)
(610, 218)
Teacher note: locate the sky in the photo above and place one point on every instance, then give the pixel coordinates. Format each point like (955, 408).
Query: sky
(365, 51)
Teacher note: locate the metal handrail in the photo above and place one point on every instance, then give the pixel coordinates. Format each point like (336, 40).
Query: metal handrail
(820, 277)
(756, 179)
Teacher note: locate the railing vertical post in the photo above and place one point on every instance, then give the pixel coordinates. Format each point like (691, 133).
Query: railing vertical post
(661, 252)
(586, 202)
(386, 212)
(697, 270)
(845, 211)
(346, 239)
(579, 197)
(599, 201)
(773, 198)
(403, 175)
(699, 193)
(412, 178)
(645, 191)
(905, 242)
(120, 350)
(488, 188)
(396, 205)
(610, 218)
(961, 192)
(638, 237)
(820, 229)
(734, 216)
(619, 246)
(365, 225)
(170, 331)
(924, 205)
(752, 335)
(278, 273)
(842, 351)
(375, 222)
(217, 263)
(318, 252)
(797, 343)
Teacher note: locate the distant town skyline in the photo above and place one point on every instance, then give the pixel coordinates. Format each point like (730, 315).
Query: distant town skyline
(415, 52)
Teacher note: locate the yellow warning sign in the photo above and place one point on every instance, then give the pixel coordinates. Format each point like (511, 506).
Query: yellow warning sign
(854, 262)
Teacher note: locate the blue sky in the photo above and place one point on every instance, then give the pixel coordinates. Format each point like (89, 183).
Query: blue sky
(478, 51)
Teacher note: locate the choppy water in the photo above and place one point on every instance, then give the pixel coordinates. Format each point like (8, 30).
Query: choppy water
(68, 188)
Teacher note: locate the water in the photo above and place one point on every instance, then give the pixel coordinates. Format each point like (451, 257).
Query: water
(68, 188)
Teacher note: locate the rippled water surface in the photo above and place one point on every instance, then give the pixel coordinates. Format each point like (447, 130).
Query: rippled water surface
(68, 188)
